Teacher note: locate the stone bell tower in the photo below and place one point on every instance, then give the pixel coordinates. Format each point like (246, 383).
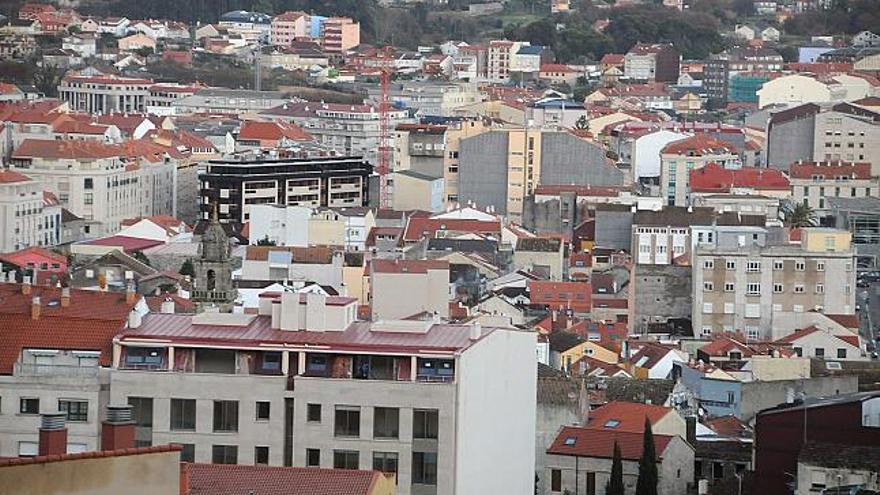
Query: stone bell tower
(213, 281)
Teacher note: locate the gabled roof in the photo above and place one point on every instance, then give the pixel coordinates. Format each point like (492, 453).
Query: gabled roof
(88, 323)
(9, 176)
(215, 479)
(418, 227)
(625, 416)
(721, 346)
(44, 459)
(729, 426)
(794, 337)
(128, 244)
(649, 355)
(830, 170)
(585, 442)
(714, 178)
(698, 145)
(274, 131)
(23, 256)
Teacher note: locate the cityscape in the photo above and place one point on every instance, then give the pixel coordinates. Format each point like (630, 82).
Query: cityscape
(440, 247)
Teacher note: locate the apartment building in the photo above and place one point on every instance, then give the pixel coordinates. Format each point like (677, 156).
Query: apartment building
(290, 26)
(500, 168)
(721, 67)
(406, 288)
(743, 283)
(414, 398)
(345, 129)
(29, 216)
(96, 181)
(431, 98)
(813, 182)
(105, 94)
(500, 59)
(234, 101)
(658, 62)
(663, 237)
(848, 133)
(59, 370)
(339, 34)
(251, 26)
(679, 158)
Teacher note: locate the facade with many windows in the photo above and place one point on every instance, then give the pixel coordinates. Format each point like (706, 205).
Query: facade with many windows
(303, 384)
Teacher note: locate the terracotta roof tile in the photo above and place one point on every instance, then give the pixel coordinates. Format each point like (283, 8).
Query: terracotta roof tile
(830, 170)
(418, 227)
(626, 416)
(714, 178)
(8, 176)
(213, 479)
(272, 131)
(585, 442)
(698, 145)
(21, 461)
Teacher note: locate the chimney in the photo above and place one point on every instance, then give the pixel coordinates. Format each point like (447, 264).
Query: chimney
(130, 294)
(276, 314)
(53, 434)
(26, 285)
(167, 306)
(117, 431)
(65, 297)
(134, 319)
(35, 308)
(476, 331)
(691, 428)
(290, 311)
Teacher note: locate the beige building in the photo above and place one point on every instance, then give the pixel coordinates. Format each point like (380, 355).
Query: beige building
(28, 216)
(797, 89)
(742, 285)
(136, 42)
(812, 182)
(339, 34)
(105, 94)
(678, 158)
(543, 255)
(417, 191)
(403, 288)
(454, 135)
(289, 26)
(848, 137)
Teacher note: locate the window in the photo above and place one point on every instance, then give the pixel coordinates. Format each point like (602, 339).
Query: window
(778, 288)
(77, 410)
(706, 331)
(348, 421)
(142, 411)
(313, 413)
(753, 266)
(729, 308)
(88, 183)
(28, 449)
(817, 480)
(707, 265)
(262, 410)
(799, 351)
(730, 265)
(187, 452)
(778, 265)
(708, 286)
(556, 480)
(261, 454)
(385, 422)
(183, 414)
(798, 289)
(425, 423)
(313, 457)
(752, 333)
(224, 454)
(729, 287)
(800, 265)
(385, 462)
(820, 266)
(346, 459)
(797, 308)
(841, 353)
(29, 406)
(753, 289)
(753, 310)
(820, 352)
(707, 308)
(424, 468)
(225, 415)
(820, 288)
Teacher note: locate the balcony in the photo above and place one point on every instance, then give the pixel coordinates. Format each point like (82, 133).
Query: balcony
(47, 370)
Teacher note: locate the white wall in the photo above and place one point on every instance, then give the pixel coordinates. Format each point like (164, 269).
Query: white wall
(495, 448)
(287, 226)
(646, 152)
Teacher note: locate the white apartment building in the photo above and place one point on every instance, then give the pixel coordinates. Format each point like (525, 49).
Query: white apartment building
(405, 288)
(742, 283)
(93, 180)
(678, 158)
(663, 237)
(105, 94)
(28, 216)
(429, 402)
(283, 225)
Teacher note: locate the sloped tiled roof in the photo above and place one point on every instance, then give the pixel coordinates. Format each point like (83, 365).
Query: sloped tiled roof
(698, 145)
(585, 442)
(216, 479)
(630, 416)
(273, 131)
(9, 176)
(715, 178)
(830, 170)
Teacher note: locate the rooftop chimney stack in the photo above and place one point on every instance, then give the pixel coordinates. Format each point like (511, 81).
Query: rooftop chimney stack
(476, 331)
(167, 306)
(130, 294)
(26, 285)
(65, 297)
(117, 431)
(53, 434)
(35, 308)
(134, 319)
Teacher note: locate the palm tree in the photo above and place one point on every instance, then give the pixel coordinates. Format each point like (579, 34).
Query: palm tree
(801, 215)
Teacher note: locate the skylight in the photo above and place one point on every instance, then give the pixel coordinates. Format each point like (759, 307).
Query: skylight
(570, 440)
(612, 423)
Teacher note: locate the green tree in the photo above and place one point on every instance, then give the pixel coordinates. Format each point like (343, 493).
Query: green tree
(582, 123)
(46, 79)
(648, 476)
(187, 268)
(800, 215)
(615, 483)
(140, 256)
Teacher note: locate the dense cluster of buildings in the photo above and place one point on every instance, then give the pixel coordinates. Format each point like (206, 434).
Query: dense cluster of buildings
(217, 288)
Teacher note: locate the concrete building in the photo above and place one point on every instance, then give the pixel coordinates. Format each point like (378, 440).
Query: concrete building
(652, 63)
(290, 26)
(679, 158)
(791, 136)
(283, 225)
(236, 101)
(500, 59)
(105, 94)
(848, 133)
(236, 185)
(721, 67)
(812, 182)
(417, 191)
(431, 98)
(339, 34)
(500, 168)
(797, 89)
(401, 289)
(28, 215)
(364, 400)
(318, 264)
(250, 26)
(743, 283)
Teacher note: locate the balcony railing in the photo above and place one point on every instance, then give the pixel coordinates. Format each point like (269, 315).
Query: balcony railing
(22, 369)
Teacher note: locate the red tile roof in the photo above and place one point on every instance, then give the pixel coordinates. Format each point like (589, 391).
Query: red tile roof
(721, 346)
(714, 178)
(272, 131)
(557, 68)
(34, 254)
(8, 176)
(128, 244)
(848, 321)
(830, 170)
(69, 149)
(214, 479)
(653, 351)
(555, 190)
(630, 416)
(417, 227)
(613, 59)
(181, 305)
(729, 426)
(561, 295)
(406, 266)
(90, 322)
(111, 80)
(698, 145)
(76, 127)
(585, 442)
(44, 459)
(794, 337)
